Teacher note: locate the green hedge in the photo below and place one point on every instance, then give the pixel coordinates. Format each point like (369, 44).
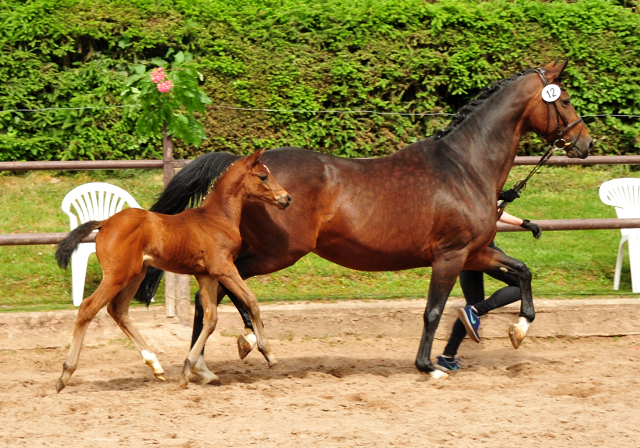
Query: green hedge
(384, 55)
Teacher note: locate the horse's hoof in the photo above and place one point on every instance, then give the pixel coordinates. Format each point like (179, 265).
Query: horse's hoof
(246, 343)
(183, 383)
(59, 385)
(204, 378)
(160, 376)
(516, 335)
(438, 374)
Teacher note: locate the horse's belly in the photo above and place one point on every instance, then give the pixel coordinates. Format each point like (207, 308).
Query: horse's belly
(356, 255)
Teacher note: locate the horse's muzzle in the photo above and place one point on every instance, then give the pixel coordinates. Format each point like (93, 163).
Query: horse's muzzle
(284, 201)
(582, 153)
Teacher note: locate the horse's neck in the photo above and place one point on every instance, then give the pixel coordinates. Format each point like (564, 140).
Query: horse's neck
(226, 198)
(488, 138)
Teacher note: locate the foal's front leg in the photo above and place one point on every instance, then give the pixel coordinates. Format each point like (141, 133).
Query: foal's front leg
(208, 294)
(233, 282)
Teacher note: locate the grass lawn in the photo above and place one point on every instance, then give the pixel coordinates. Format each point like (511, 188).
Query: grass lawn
(564, 264)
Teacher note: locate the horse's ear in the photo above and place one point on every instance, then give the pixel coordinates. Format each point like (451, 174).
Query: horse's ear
(555, 73)
(551, 65)
(254, 158)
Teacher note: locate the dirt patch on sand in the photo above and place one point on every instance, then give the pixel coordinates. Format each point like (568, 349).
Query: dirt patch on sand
(333, 391)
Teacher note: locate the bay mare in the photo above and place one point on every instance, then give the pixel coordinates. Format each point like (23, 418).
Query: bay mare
(203, 242)
(432, 203)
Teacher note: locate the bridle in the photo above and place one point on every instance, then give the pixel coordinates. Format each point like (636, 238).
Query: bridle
(559, 143)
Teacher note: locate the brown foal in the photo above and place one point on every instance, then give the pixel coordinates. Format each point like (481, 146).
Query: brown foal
(203, 242)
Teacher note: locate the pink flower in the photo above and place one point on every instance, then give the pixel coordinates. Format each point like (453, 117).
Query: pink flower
(157, 75)
(165, 86)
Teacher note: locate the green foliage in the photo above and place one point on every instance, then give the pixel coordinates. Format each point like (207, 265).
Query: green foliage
(382, 55)
(174, 107)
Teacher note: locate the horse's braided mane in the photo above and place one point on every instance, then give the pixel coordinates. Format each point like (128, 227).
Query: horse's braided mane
(472, 105)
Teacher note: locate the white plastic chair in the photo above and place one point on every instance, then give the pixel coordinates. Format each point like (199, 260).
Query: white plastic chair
(624, 195)
(92, 202)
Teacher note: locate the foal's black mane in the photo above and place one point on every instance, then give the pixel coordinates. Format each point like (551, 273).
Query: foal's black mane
(472, 105)
(193, 184)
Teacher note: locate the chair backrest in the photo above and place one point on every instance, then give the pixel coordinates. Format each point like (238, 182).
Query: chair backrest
(624, 195)
(95, 201)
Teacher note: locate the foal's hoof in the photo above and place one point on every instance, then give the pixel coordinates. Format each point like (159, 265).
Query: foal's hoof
(160, 376)
(183, 383)
(516, 335)
(246, 343)
(59, 385)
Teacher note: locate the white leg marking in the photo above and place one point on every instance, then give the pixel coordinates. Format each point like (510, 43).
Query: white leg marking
(252, 340)
(203, 373)
(524, 324)
(437, 374)
(151, 360)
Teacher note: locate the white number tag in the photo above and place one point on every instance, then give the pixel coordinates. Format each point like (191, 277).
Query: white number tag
(551, 93)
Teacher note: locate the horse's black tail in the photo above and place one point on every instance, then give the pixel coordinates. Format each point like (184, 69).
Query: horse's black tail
(186, 190)
(68, 245)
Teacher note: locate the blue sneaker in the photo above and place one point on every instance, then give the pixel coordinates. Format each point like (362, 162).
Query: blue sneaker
(471, 322)
(445, 365)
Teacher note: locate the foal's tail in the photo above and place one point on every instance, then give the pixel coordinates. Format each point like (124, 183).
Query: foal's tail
(186, 190)
(68, 245)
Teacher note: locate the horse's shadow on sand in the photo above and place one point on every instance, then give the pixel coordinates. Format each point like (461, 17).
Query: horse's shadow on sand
(255, 370)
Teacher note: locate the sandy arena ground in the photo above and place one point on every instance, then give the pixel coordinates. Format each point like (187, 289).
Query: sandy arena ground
(333, 391)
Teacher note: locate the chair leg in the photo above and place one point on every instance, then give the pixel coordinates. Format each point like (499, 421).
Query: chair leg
(634, 262)
(79, 260)
(616, 275)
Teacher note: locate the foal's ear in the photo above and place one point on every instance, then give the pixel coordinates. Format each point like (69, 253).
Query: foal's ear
(555, 73)
(254, 158)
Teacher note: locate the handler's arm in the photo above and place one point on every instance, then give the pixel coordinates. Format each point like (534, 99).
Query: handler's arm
(524, 223)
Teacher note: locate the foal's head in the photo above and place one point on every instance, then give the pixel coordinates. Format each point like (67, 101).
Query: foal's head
(260, 184)
(552, 115)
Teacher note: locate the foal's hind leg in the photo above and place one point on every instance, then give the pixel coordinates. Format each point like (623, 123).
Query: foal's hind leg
(491, 259)
(88, 310)
(208, 293)
(119, 310)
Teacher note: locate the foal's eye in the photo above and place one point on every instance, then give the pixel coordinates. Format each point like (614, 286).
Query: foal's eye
(262, 177)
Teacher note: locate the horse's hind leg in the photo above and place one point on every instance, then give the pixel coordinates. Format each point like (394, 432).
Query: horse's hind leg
(491, 259)
(443, 277)
(119, 310)
(88, 310)
(208, 295)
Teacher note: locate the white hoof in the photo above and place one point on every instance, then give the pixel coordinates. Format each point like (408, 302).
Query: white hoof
(151, 360)
(438, 374)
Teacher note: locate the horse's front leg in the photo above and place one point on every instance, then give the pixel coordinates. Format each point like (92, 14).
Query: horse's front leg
(445, 271)
(491, 259)
(208, 294)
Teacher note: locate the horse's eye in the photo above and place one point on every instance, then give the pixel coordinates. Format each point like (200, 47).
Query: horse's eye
(566, 102)
(262, 177)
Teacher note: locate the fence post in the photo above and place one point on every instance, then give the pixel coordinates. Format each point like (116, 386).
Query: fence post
(177, 287)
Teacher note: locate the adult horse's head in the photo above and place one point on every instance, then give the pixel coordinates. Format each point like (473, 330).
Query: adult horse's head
(552, 115)
(261, 184)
